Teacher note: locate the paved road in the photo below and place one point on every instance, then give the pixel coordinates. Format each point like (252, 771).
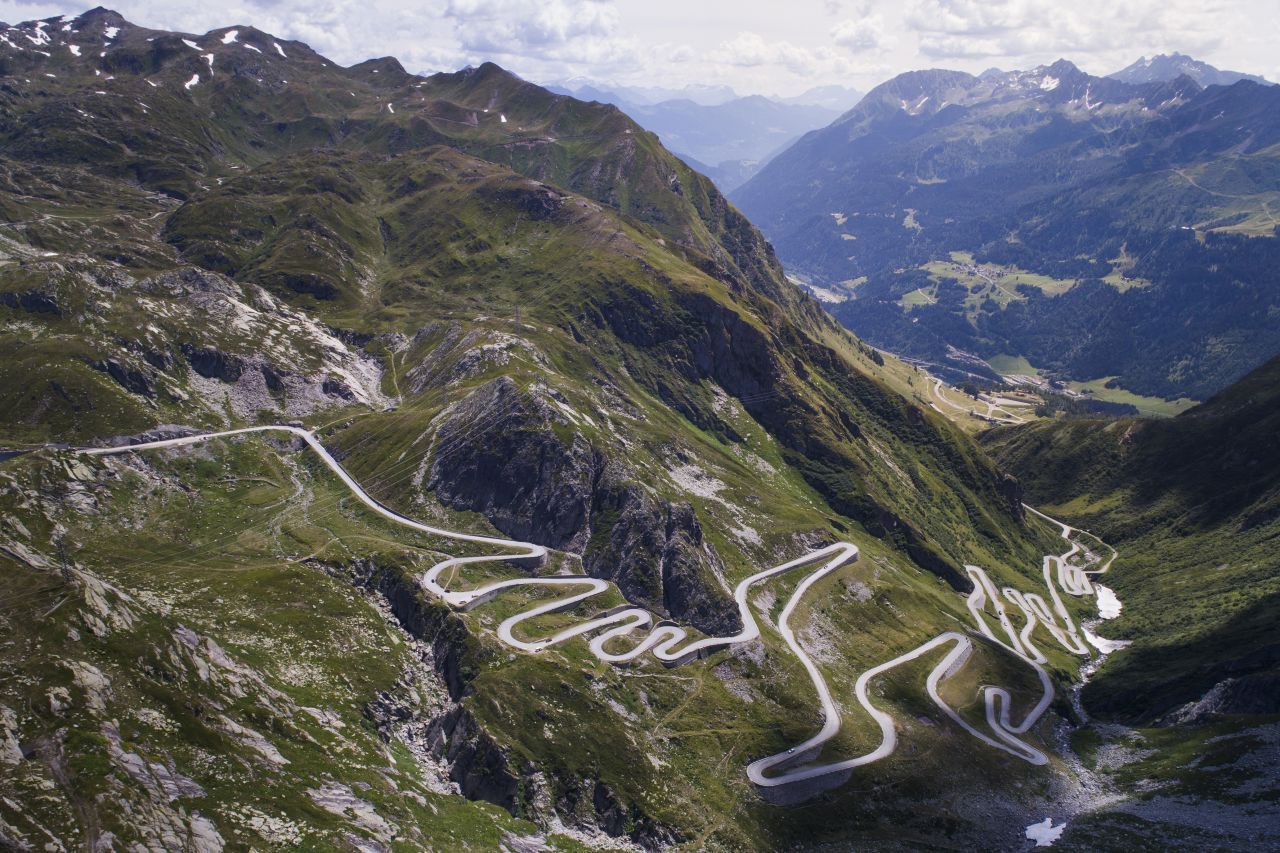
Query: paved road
(670, 643)
(1007, 418)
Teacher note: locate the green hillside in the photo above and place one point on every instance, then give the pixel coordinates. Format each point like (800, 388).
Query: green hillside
(506, 312)
(1193, 503)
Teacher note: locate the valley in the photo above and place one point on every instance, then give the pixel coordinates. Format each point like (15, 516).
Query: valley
(397, 462)
(1079, 235)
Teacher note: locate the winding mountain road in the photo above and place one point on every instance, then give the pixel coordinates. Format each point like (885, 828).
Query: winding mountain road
(670, 643)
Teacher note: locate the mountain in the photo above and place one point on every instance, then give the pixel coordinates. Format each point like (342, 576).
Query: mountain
(832, 97)
(1091, 229)
(703, 94)
(732, 138)
(1192, 503)
(465, 311)
(1174, 493)
(1164, 67)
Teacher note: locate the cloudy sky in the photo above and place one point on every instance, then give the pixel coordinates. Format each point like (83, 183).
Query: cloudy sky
(764, 46)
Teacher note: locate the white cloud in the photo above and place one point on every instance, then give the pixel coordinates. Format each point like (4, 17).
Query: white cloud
(539, 36)
(752, 49)
(864, 33)
(752, 45)
(1029, 30)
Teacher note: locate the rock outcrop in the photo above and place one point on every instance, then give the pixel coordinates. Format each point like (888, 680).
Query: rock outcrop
(568, 495)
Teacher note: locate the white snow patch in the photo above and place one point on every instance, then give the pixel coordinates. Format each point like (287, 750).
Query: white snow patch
(208, 57)
(41, 37)
(230, 36)
(279, 49)
(502, 118)
(189, 43)
(1108, 605)
(1104, 645)
(195, 79)
(152, 84)
(1048, 84)
(111, 32)
(390, 108)
(251, 47)
(74, 48)
(1045, 833)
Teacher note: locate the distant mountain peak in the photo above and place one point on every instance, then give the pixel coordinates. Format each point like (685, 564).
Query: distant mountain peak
(1165, 67)
(103, 14)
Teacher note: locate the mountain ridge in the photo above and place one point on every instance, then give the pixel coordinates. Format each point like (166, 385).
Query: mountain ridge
(506, 312)
(1099, 197)
(1172, 65)
(730, 139)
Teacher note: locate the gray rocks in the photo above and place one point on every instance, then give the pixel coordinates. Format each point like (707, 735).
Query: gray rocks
(212, 363)
(654, 551)
(190, 281)
(498, 454)
(158, 433)
(337, 388)
(476, 763)
(32, 301)
(528, 482)
(129, 378)
(10, 748)
(1258, 693)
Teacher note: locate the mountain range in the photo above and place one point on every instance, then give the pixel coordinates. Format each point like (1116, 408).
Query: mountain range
(1092, 229)
(506, 312)
(1170, 66)
(729, 140)
(400, 462)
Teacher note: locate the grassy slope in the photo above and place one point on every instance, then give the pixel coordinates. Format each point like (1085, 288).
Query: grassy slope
(1192, 504)
(608, 285)
(223, 560)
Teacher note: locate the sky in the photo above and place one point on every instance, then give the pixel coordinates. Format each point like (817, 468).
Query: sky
(775, 47)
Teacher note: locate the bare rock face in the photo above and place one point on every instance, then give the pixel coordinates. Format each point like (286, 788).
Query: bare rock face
(189, 281)
(654, 551)
(1255, 693)
(212, 363)
(497, 454)
(33, 301)
(127, 377)
(568, 495)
